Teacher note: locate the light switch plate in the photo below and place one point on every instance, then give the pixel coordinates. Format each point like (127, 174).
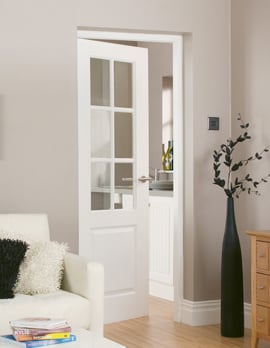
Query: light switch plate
(213, 123)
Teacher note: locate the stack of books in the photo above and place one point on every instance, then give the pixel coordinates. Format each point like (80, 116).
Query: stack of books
(38, 332)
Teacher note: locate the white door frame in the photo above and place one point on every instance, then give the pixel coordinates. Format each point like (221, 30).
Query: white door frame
(178, 117)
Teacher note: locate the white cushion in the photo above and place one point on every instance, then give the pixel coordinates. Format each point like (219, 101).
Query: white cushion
(42, 268)
(74, 308)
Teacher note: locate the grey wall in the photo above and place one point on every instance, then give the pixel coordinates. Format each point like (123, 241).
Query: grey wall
(250, 97)
(38, 113)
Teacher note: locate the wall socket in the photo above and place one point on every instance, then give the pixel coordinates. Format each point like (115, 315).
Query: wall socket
(213, 123)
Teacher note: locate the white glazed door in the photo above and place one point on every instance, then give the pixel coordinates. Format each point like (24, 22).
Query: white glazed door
(113, 171)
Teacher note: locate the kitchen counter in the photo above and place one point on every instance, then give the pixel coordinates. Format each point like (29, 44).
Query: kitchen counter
(161, 193)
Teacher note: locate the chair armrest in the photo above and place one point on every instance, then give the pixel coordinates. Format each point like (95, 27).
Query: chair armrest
(86, 278)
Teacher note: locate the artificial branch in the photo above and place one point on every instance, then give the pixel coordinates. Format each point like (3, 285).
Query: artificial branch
(223, 156)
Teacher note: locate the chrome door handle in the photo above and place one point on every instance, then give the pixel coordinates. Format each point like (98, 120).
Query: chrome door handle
(144, 179)
(141, 179)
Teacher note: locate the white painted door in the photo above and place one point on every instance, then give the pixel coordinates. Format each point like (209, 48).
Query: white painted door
(113, 162)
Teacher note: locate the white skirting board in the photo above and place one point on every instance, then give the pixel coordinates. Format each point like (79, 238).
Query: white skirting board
(161, 290)
(207, 313)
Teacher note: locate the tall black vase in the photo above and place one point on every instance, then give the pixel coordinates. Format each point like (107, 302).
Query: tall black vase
(232, 302)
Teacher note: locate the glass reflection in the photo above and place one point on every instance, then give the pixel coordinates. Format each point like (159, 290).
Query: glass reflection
(100, 82)
(100, 133)
(100, 186)
(123, 84)
(123, 135)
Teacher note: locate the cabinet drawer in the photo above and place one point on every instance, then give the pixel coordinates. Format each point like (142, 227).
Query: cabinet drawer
(262, 320)
(262, 255)
(262, 287)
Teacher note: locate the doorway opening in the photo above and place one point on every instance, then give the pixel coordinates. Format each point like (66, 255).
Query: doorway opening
(176, 79)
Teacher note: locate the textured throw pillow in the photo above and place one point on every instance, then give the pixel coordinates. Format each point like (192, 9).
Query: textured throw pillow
(12, 253)
(42, 269)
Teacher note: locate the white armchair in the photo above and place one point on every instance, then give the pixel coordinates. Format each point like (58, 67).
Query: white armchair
(81, 297)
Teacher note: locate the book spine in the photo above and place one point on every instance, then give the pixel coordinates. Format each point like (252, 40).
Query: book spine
(35, 344)
(48, 336)
(36, 332)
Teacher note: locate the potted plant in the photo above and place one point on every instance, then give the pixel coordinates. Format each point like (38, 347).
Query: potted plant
(225, 176)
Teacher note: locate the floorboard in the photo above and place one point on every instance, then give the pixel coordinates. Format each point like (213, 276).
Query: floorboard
(159, 330)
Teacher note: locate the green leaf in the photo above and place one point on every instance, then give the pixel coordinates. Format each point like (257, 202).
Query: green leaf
(258, 156)
(223, 147)
(248, 178)
(219, 182)
(235, 167)
(216, 156)
(227, 158)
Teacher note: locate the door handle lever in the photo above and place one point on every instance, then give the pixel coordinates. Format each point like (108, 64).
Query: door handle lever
(143, 179)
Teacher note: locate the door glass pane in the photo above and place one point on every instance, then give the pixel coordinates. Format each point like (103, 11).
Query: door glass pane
(123, 135)
(123, 84)
(100, 186)
(100, 81)
(123, 188)
(111, 136)
(100, 133)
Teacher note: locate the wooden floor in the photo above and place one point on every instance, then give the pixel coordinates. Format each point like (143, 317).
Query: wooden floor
(159, 330)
